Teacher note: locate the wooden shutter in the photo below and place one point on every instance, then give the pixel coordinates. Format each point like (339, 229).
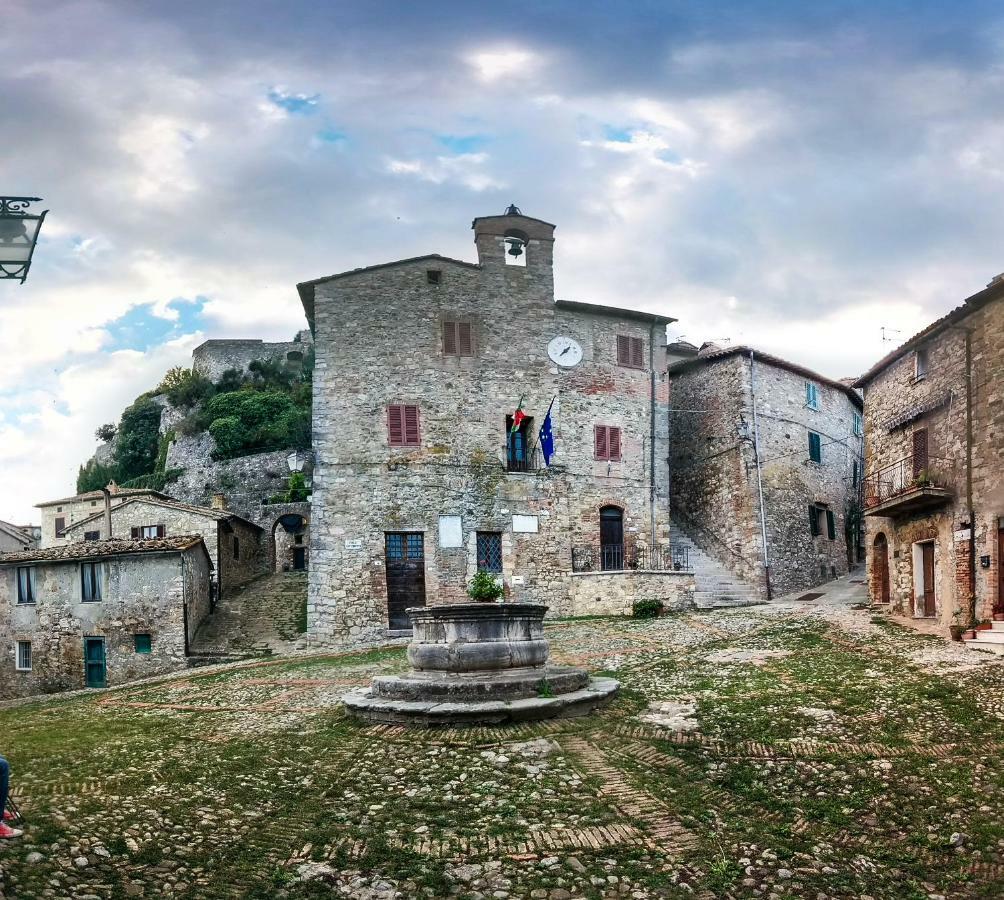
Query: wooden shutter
(161, 531)
(411, 434)
(135, 533)
(465, 339)
(600, 441)
(638, 353)
(920, 457)
(60, 526)
(813, 520)
(449, 338)
(614, 443)
(623, 350)
(815, 447)
(395, 425)
(831, 525)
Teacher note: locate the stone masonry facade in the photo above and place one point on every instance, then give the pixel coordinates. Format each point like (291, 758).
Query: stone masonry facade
(379, 341)
(917, 398)
(157, 590)
(214, 357)
(714, 467)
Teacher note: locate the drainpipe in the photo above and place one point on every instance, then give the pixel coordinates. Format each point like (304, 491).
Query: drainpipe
(969, 477)
(759, 480)
(651, 438)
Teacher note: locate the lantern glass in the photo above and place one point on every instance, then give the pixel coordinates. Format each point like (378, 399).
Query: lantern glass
(17, 237)
(295, 461)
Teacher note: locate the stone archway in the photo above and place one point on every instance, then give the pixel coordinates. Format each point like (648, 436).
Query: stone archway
(291, 542)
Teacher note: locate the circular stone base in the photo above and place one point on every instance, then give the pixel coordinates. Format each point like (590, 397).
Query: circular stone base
(482, 687)
(363, 704)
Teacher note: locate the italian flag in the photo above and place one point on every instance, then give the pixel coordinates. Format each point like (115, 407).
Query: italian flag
(517, 417)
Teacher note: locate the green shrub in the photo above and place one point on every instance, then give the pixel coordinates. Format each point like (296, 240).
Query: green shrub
(106, 432)
(484, 588)
(229, 434)
(646, 609)
(138, 439)
(184, 388)
(92, 476)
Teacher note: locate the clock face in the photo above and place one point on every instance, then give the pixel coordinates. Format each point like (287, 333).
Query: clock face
(565, 351)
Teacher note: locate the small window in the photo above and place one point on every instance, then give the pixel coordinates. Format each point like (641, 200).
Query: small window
(920, 363)
(515, 243)
(23, 661)
(237, 548)
(630, 352)
(92, 535)
(26, 590)
(607, 442)
(60, 525)
(147, 532)
(434, 276)
(458, 339)
(59, 509)
(403, 425)
(815, 447)
(811, 395)
(490, 552)
(90, 582)
(858, 425)
(143, 643)
(815, 520)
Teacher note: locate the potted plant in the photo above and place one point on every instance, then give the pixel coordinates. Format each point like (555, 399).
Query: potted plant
(485, 588)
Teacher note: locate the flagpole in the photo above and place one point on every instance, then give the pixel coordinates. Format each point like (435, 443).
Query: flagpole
(537, 442)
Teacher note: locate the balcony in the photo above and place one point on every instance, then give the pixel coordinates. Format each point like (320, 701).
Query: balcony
(519, 458)
(908, 486)
(619, 558)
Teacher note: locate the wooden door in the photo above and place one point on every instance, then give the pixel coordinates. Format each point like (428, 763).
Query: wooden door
(881, 567)
(405, 556)
(999, 607)
(928, 554)
(611, 538)
(94, 662)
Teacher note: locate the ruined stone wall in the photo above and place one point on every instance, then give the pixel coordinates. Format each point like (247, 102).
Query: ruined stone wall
(212, 358)
(379, 341)
(615, 593)
(142, 594)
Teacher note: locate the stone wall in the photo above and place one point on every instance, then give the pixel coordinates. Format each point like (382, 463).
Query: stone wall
(379, 341)
(142, 594)
(615, 593)
(212, 358)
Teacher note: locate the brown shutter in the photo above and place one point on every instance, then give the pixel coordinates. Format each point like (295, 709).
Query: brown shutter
(60, 526)
(638, 353)
(623, 350)
(614, 443)
(161, 531)
(395, 425)
(600, 440)
(411, 435)
(465, 339)
(134, 533)
(920, 458)
(450, 338)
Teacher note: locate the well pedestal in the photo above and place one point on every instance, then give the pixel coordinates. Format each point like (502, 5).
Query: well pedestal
(479, 663)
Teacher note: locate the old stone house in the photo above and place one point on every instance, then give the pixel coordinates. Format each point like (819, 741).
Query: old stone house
(934, 482)
(423, 473)
(13, 538)
(765, 465)
(57, 515)
(237, 548)
(92, 614)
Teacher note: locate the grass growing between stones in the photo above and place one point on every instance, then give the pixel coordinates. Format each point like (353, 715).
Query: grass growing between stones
(813, 762)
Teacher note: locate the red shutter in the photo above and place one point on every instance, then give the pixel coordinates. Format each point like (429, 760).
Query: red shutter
(623, 350)
(450, 338)
(614, 443)
(600, 440)
(637, 353)
(411, 435)
(134, 533)
(465, 338)
(395, 425)
(920, 457)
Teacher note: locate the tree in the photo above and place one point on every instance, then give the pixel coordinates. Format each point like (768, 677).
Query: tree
(92, 476)
(106, 432)
(184, 388)
(138, 438)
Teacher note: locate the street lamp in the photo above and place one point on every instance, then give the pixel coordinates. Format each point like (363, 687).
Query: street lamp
(295, 461)
(18, 234)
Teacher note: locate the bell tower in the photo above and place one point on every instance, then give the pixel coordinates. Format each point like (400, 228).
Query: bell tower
(517, 246)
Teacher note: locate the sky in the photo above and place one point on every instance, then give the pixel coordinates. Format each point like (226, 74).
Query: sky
(788, 175)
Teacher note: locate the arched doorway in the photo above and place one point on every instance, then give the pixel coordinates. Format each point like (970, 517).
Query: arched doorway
(290, 542)
(611, 538)
(880, 568)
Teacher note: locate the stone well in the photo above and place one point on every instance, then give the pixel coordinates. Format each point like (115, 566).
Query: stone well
(479, 663)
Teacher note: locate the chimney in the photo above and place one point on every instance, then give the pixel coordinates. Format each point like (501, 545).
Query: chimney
(108, 510)
(218, 501)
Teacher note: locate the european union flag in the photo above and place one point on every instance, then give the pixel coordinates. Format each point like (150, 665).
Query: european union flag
(546, 437)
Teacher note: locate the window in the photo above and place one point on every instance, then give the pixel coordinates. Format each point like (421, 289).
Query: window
(858, 425)
(831, 525)
(811, 395)
(143, 643)
(402, 425)
(815, 447)
(920, 454)
(23, 661)
(92, 535)
(237, 547)
(520, 454)
(458, 338)
(147, 532)
(90, 582)
(630, 352)
(920, 363)
(26, 591)
(815, 520)
(60, 525)
(515, 241)
(434, 276)
(607, 442)
(490, 551)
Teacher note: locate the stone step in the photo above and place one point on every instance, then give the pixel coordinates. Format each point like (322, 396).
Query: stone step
(993, 636)
(985, 646)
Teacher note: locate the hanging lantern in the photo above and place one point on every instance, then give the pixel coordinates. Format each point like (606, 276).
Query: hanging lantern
(18, 234)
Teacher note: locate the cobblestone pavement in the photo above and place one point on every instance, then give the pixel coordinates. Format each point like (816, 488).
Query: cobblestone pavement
(805, 748)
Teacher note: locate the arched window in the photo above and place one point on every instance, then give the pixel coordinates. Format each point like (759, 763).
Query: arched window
(515, 242)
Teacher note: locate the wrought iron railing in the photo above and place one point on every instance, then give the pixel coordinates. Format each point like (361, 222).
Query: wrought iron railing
(518, 459)
(622, 558)
(904, 475)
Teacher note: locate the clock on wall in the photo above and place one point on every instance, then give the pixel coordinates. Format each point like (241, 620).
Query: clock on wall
(564, 351)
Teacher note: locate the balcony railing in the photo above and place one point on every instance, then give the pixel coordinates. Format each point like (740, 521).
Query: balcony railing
(907, 485)
(518, 459)
(621, 558)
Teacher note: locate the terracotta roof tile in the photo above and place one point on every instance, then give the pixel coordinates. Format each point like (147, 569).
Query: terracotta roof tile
(99, 549)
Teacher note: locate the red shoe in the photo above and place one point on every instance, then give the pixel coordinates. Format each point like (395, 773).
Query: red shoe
(8, 816)
(7, 832)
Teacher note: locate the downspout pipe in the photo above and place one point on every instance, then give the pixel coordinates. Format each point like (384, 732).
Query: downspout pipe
(759, 480)
(651, 435)
(969, 477)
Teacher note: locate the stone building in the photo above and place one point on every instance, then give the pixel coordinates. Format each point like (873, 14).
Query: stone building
(95, 614)
(57, 515)
(727, 404)
(419, 478)
(237, 548)
(13, 538)
(214, 357)
(934, 485)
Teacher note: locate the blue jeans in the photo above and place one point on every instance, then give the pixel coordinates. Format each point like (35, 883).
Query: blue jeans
(4, 784)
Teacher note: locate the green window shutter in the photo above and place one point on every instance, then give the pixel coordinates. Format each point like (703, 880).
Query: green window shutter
(831, 525)
(813, 520)
(815, 447)
(144, 643)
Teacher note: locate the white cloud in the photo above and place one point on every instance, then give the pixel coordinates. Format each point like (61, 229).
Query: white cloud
(511, 63)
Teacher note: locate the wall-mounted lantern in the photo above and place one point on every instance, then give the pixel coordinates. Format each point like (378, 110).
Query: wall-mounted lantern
(985, 561)
(296, 460)
(18, 234)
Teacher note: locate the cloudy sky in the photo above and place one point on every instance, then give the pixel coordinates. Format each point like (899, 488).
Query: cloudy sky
(790, 175)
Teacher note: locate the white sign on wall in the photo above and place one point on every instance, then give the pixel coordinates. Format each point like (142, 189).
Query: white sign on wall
(518, 580)
(451, 531)
(525, 524)
(962, 535)
(354, 544)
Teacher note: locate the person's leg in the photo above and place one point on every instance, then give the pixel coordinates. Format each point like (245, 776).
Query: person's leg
(4, 784)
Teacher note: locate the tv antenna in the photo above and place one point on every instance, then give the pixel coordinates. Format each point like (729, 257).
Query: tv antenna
(886, 332)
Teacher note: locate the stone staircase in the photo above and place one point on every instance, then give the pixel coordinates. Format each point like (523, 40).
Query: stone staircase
(265, 616)
(716, 586)
(988, 639)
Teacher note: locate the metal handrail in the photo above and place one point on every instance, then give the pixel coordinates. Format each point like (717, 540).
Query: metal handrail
(622, 558)
(900, 476)
(527, 460)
